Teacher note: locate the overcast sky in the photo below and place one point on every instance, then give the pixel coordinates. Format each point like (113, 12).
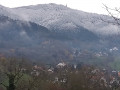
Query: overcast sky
(94, 6)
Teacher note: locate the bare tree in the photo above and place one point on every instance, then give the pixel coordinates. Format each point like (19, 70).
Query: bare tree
(13, 73)
(114, 13)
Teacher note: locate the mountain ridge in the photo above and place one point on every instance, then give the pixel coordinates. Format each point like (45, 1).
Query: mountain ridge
(46, 33)
(57, 17)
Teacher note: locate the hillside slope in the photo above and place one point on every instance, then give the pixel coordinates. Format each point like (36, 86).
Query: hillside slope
(62, 19)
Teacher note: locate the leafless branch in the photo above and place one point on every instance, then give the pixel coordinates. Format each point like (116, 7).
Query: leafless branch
(114, 16)
(4, 85)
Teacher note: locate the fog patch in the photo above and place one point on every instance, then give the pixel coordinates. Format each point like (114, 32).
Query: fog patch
(109, 29)
(4, 25)
(24, 35)
(24, 17)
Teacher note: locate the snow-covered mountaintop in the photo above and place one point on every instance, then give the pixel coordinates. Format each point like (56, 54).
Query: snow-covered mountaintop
(59, 17)
(5, 11)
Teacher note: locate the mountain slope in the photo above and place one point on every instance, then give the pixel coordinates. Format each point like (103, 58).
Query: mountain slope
(15, 33)
(35, 42)
(60, 18)
(63, 30)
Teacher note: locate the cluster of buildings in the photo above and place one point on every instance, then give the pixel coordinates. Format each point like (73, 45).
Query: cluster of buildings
(107, 78)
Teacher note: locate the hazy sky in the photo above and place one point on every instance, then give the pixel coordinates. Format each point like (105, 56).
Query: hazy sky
(94, 6)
